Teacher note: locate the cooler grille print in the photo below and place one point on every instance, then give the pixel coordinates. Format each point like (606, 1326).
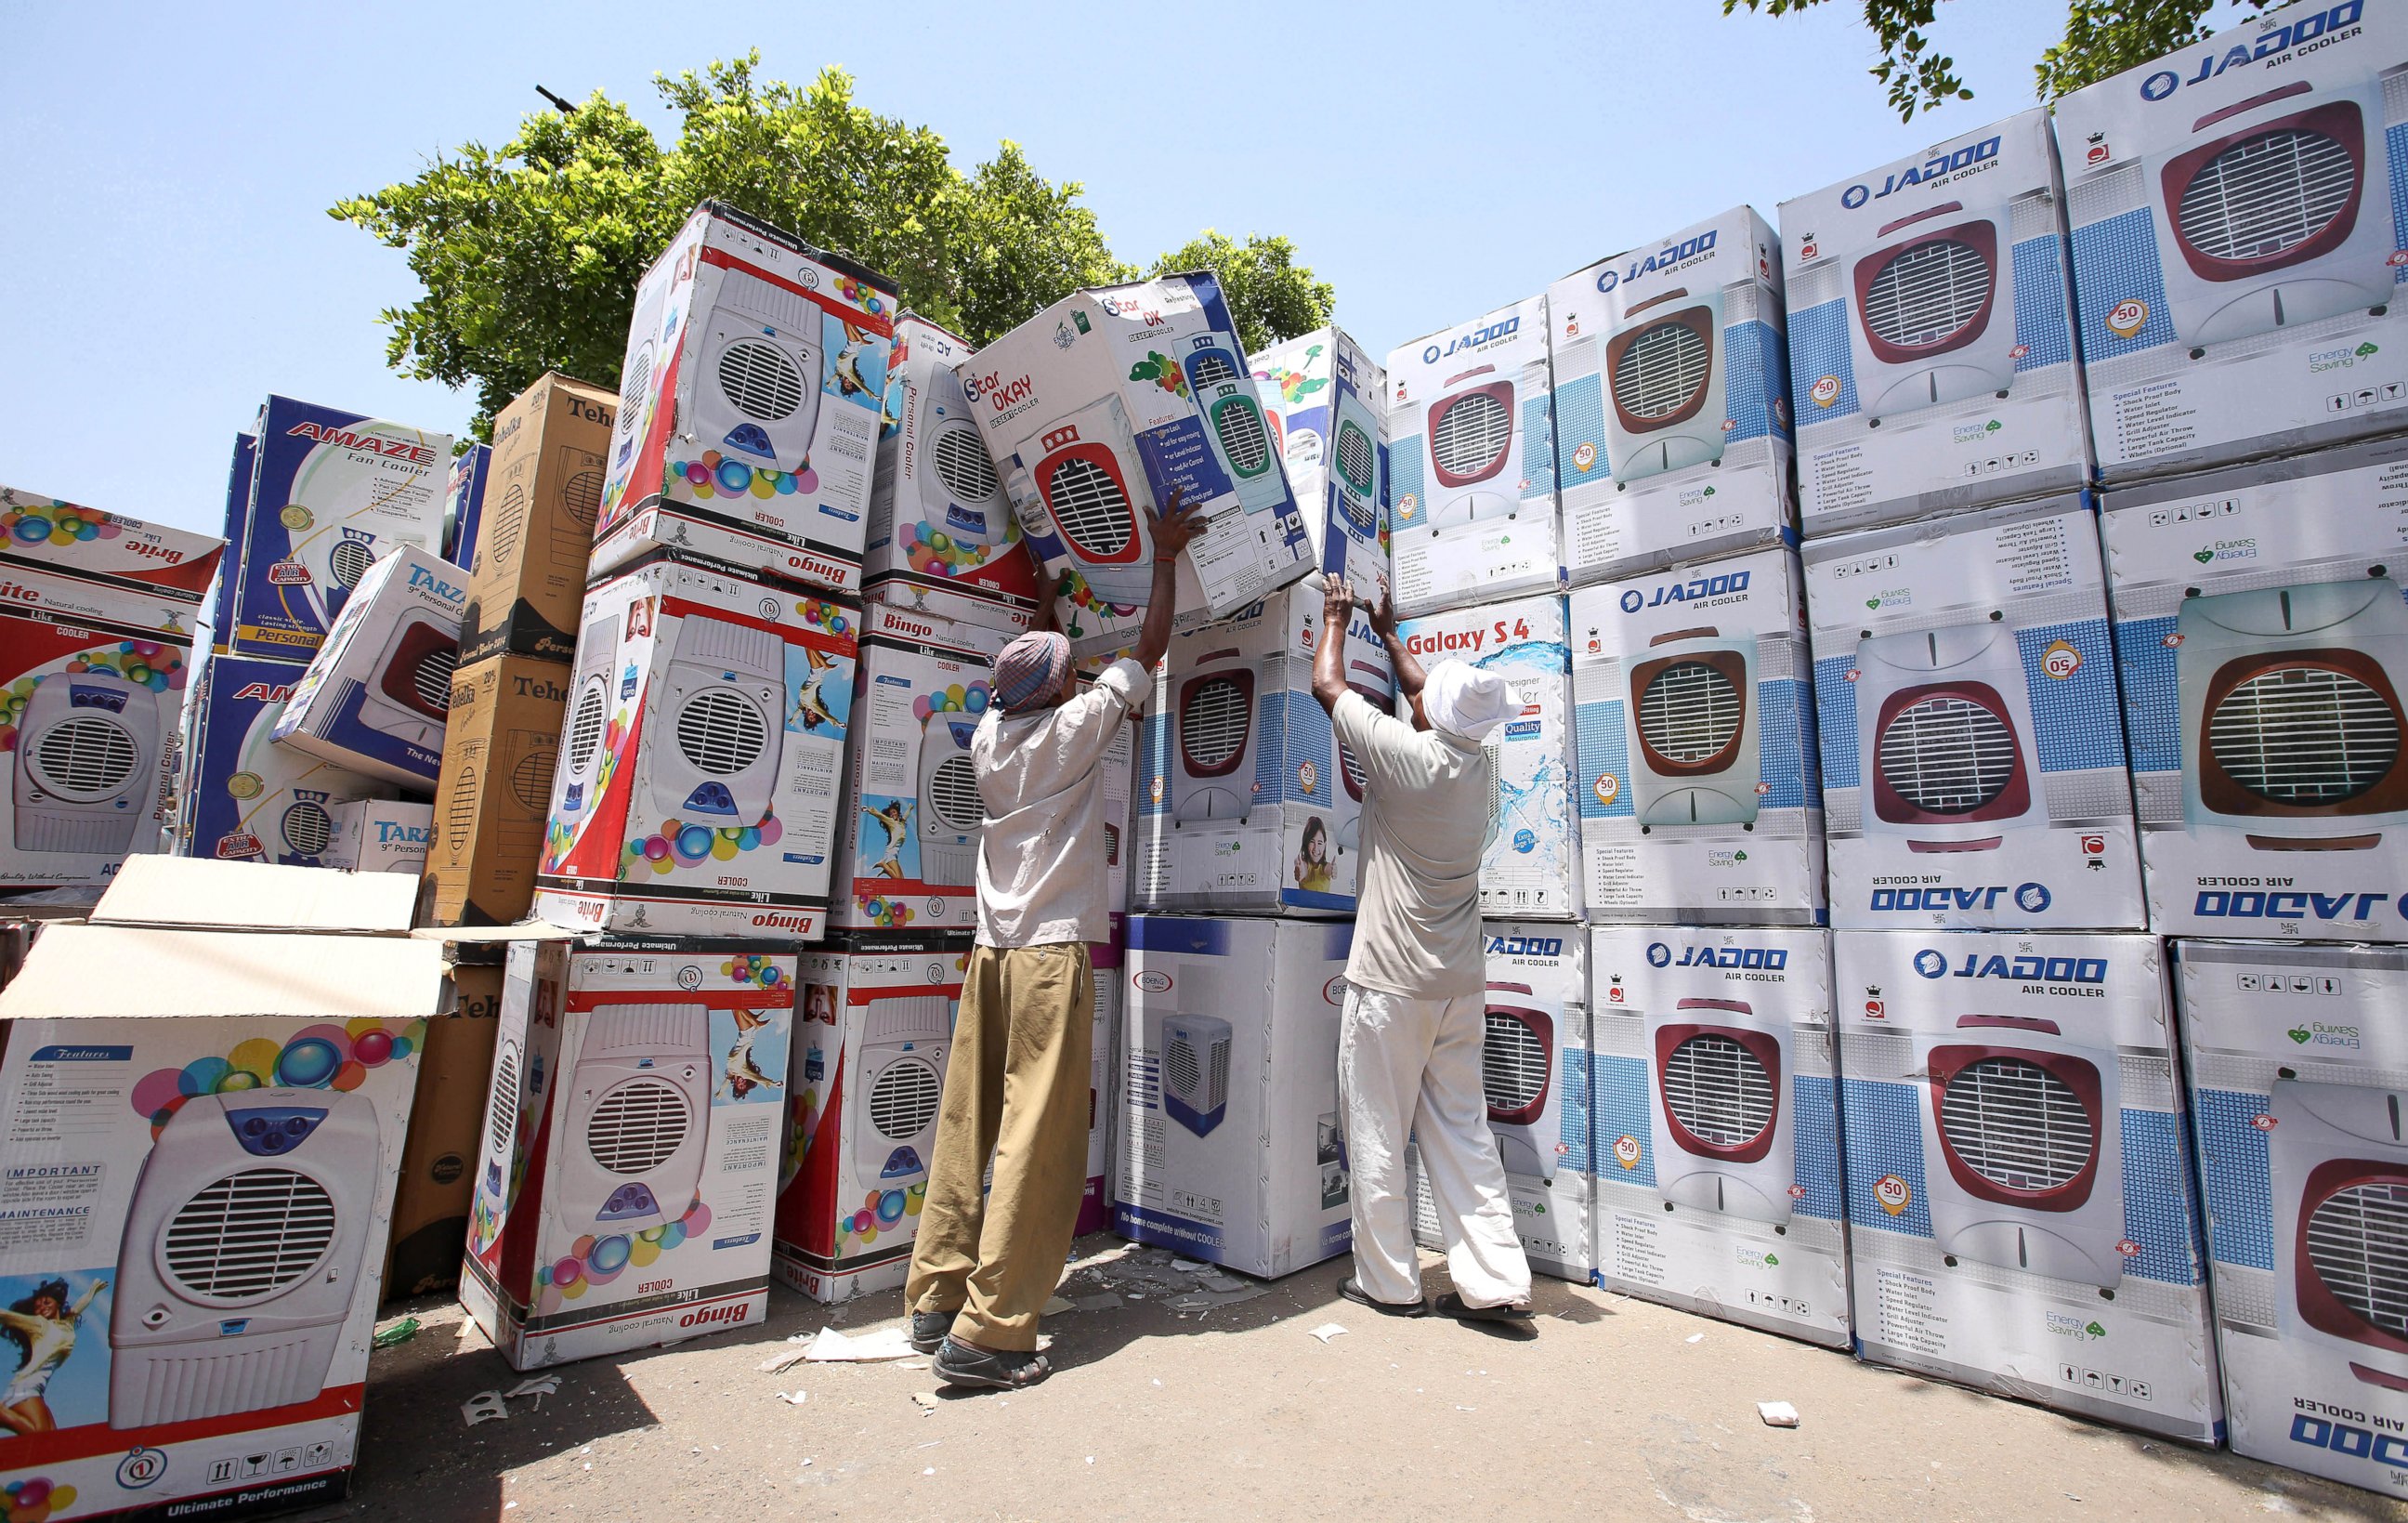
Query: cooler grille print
(307, 828)
(1355, 457)
(1719, 1091)
(2266, 196)
(86, 757)
(1948, 754)
(508, 517)
(721, 733)
(962, 463)
(1515, 1066)
(585, 727)
(581, 495)
(637, 1127)
(953, 792)
(1212, 724)
(2304, 735)
(348, 561)
(2016, 1125)
(638, 376)
(505, 1118)
(1469, 435)
(1210, 368)
(1927, 293)
(1238, 420)
(760, 381)
(2357, 1248)
(1690, 713)
(249, 1235)
(1661, 371)
(903, 1102)
(1092, 508)
(430, 678)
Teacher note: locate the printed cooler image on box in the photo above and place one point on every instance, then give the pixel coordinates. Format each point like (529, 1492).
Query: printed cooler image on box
(330, 492)
(1100, 407)
(380, 835)
(500, 748)
(45, 533)
(2264, 641)
(1698, 775)
(629, 1164)
(1718, 1123)
(1532, 866)
(908, 848)
(1966, 704)
(1246, 802)
(1472, 463)
(2020, 1200)
(2297, 1066)
(1104, 1070)
(535, 535)
(2238, 218)
(942, 537)
(703, 763)
(1231, 1147)
(376, 693)
(251, 800)
(1932, 353)
(1328, 407)
(1534, 1065)
(748, 424)
(868, 1071)
(1671, 401)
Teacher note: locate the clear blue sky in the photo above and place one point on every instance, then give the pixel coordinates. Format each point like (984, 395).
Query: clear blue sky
(165, 170)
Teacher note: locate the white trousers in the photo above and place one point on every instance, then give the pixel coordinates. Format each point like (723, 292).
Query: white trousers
(1411, 1066)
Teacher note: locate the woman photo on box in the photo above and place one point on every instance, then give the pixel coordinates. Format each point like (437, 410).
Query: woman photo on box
(1313, 872)
(43, 1327)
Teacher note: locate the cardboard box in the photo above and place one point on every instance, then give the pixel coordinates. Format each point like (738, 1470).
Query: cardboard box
(1671, 401)
(250, 799)
(1931, 352)
(2020, 1202)
(748, 431)
(1105, 1069)
(381, 835)
(1246, 802)
(2236, 212)
(330, 493)
(1232, 1146)
(1327, 404)
(204, 1124)
(1095, 409)
(1719, 1188)
(148, 560)
(500, 749)
(526, 579)
(629, 1165)
(1535, 1065)
(464, 504)
(908, 846)
(703, 766)
(943, 541)
(1472, 463)
(376, 693)
(93, 677)
(1698, 786)
(2295, 1055)
(439, 1157)
(1973, 744)
(2264, 645)
(1532, 869)
(868, 1075)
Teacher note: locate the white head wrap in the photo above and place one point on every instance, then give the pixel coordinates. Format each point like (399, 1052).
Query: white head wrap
(1467, 701)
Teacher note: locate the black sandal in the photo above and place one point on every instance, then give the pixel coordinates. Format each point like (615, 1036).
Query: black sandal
(967, 1364)
(1360, 1297)
(1451, 1304)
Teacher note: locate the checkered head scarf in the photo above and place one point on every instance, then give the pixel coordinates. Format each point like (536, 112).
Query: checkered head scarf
(1030, 669)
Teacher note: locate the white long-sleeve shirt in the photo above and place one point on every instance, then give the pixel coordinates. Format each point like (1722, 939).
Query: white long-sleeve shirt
(1042, 854)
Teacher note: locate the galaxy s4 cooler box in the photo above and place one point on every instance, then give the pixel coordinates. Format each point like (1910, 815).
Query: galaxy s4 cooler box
(1717, 1122)
(1965, 696)
(1327, 406)
(1246, 799)
(1672, 404)
(1932, 353)
(2264, 641)
(748, 424)
(2022, 1213)
(375, 696)
(2238, 228)
(1531, 868)
(629, 1160)
(702, 765)
(1231, 1145)
(1697, 772)
(1472, 463)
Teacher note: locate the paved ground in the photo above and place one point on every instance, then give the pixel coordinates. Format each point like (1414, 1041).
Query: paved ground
(1609, 1411)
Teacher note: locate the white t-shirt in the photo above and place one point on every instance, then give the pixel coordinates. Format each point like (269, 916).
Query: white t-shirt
(1041, 870)
(1426, 806)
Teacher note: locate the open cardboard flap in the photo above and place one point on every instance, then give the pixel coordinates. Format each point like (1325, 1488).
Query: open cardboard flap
(122, 970)
(255, 896)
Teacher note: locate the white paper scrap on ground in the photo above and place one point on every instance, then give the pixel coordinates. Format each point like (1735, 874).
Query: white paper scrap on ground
(1328, 1331)
(1777, 1413)
(833, 1347)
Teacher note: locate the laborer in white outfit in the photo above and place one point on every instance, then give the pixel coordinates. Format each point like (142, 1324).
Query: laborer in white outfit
(1416, 987)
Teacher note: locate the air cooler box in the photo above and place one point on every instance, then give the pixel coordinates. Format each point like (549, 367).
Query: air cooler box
(1327, 402)
(248, 796)
(535, 535)
(376, 694)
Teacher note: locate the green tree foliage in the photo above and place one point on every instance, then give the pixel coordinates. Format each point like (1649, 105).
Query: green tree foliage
(2103, 37)
(528, 254)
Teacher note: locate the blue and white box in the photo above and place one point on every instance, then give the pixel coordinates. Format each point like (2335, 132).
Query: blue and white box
(1699, 782)
(1231, 1145)
(1672, 402)
(330, 492)
(464, 508)
(1931, 352)
(2239, 226)
(1718, 1120)
(376, 695)
(1327, 404)
(1472, 463)
(2021, 1209)
(2264, 643)
(2298, 1063)
(248, 798)
(382, 835)
(1972, 740)
(1531, 869)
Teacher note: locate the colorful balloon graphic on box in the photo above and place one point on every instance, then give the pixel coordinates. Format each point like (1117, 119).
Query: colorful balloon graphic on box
(882, 1212)
(34, 1499)
(329, 1056)
(593, 1262)
(716, 476)
(140, 662)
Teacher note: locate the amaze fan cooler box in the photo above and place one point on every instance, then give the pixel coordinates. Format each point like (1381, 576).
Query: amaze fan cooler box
(247, 797)
(2236, 237)
(2264, 638)
(2021, 1205)
(1327, 406)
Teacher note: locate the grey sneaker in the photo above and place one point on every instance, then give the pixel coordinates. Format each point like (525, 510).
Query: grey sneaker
(928, 1330)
